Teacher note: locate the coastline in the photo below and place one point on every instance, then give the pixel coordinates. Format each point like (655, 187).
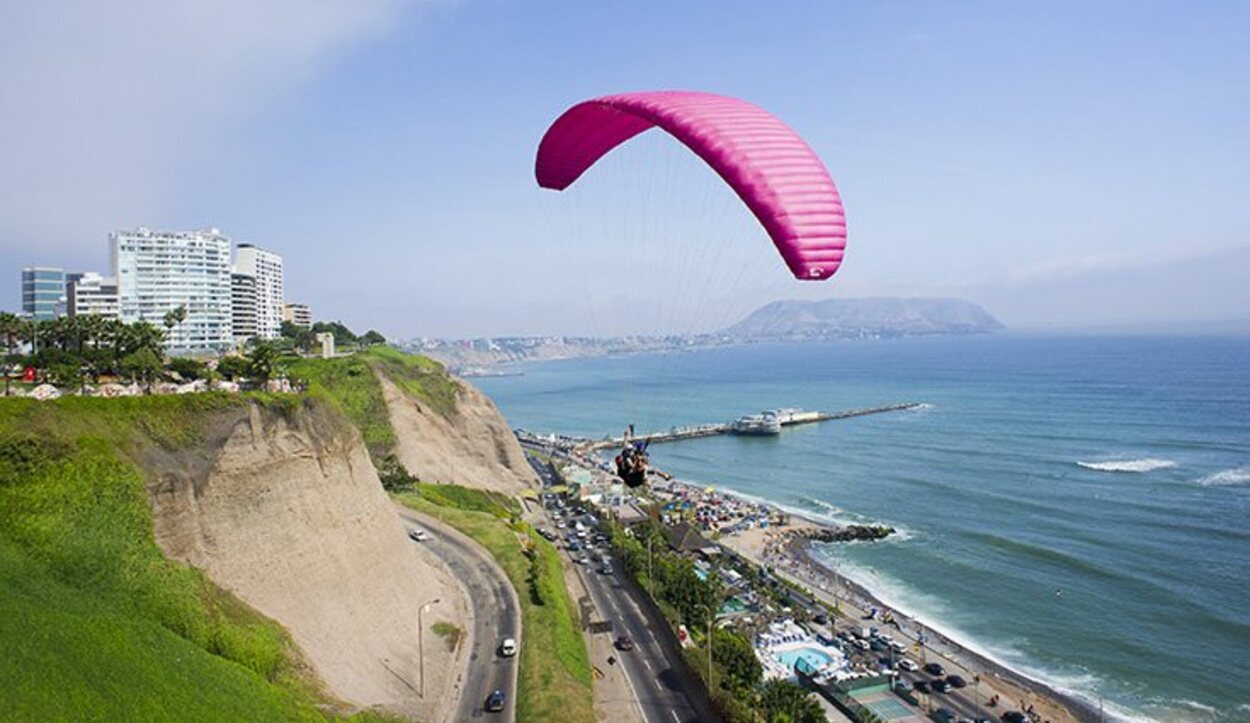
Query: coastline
(786, 550)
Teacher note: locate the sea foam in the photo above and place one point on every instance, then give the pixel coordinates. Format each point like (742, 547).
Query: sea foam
(1148, 464)
(1226, 478)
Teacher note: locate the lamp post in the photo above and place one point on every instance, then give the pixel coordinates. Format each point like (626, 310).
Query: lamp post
(650, 571)
(421, 642)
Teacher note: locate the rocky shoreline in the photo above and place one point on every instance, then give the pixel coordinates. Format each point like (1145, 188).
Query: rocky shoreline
(846, 533)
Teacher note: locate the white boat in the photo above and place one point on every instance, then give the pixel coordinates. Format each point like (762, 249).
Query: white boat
(762, 424)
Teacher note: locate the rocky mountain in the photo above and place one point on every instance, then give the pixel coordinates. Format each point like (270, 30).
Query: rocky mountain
(864, 318)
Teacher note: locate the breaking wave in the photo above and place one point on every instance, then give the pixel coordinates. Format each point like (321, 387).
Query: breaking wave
(1225, 478)
(1148, 464)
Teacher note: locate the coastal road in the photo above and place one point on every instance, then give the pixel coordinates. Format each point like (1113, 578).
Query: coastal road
(496, 615)
(663, 689)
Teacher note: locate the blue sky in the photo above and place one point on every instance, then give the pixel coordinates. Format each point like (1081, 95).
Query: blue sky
(1010, 153)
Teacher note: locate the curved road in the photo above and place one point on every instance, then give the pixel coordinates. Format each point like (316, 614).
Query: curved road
(496, 615)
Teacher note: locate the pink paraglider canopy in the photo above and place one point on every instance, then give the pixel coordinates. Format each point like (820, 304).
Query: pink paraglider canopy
(766, 163)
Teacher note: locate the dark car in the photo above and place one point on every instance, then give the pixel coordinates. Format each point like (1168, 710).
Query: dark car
(934, 669)
(624, 643)
(939, 686)
(1015, 716)
(922, 686)
(494, 702)
(820, 619)
(956, 681)
(944, 715)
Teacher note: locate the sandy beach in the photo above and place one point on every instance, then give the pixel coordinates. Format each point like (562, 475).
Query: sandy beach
(785, 549)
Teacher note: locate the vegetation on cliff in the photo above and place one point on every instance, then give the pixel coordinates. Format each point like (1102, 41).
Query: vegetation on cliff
(349, 383)
(95, 622)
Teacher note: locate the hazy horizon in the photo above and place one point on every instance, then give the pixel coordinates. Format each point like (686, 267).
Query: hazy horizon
(1064, 166)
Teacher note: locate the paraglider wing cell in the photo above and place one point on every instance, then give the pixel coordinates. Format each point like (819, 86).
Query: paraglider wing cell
(772, 169)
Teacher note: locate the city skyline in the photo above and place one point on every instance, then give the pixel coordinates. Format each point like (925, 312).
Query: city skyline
(226, 294)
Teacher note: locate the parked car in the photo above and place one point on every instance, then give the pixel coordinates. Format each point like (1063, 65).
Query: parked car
(940, 686)
(508, 647)
(922, 686)
(934, 669)
(898, 647)
(624, 642)
(820, 619)
(494, 702)
(1014, 716)
(908, 664)
(607, 568)
(902, 685)
(956, 681)
(861, 644)
(418, 535)
(944, 715)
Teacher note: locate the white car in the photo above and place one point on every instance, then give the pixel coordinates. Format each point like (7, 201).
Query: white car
(508, 647)
(908, 665)
(418, 535)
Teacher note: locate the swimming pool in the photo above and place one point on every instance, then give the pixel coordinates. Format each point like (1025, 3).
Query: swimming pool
(813, 656)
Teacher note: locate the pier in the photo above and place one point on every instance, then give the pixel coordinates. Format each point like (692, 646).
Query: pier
(677, 434)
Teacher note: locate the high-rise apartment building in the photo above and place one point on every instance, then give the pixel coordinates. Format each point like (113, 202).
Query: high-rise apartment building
(43, 292)
(243, 307)
(159, 271)
(298, 314)
(266, 268)
(89, 293)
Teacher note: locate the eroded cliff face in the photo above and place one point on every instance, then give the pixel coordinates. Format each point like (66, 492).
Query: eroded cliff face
(472, 447)
(283, 508)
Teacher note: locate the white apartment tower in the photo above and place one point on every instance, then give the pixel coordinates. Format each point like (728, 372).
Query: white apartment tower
(159, 271)
(266, 268)
(90, 294)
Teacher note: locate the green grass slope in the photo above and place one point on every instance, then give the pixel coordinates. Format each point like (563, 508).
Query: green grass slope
(350, 385)
(95, 624)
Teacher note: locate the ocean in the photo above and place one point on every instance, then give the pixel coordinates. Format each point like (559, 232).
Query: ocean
(1074, 507)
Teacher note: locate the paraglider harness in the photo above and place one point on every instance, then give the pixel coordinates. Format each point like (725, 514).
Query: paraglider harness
(631, 463)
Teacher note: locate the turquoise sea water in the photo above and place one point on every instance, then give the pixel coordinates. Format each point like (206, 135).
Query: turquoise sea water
(1075, 507)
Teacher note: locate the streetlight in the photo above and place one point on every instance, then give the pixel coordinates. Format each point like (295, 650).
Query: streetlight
(421, 642)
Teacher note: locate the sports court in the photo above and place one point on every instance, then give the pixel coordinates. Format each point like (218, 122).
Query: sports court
(888, 707)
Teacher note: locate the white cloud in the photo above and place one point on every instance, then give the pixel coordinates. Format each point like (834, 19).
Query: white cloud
(108, 102)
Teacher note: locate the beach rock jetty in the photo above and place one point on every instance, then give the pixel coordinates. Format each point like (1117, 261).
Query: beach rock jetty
(849, 533)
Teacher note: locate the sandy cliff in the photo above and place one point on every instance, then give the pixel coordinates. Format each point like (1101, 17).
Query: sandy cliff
(473, 446)
(284, 508)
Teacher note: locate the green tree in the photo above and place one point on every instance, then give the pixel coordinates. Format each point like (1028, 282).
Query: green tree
(342, 335)
(187, 368)
(263, 362)
(785, 702)
(10, 332)
(233, 367)
(142, 367)
(736, 657)
(174, 317)
(372, 338)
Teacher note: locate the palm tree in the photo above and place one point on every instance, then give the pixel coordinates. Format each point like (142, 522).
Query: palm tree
(10, 329)
(174, 317)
